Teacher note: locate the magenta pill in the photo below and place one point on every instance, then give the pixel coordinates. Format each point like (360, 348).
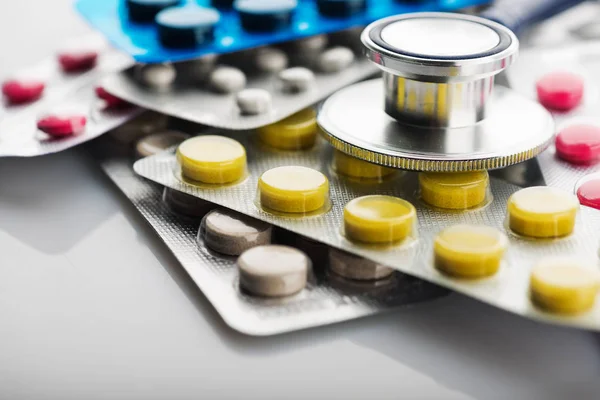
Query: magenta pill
(589, 194)
(110, 100)
(22, 91)
(561, 91)
(579, 144)
(59, 126)
(77, 61)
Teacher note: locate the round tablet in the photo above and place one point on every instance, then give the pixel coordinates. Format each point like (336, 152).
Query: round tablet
(542, 212)
(352, 167)
(457, 191)
(560, 91)
(110, 100)
(62, 125)
(341, 8)
(564, 285)
(232, 233)
(469, 251)
(312, 44)
(187, 27)
(77, 60)
(378, 219)
(296, 79)
(253, 101)
(351, 266)
(227, 79)
(293, 189)
(271, 60)
(273, 271)
(158, 76)
(158, 142)
(265, 15)
(296, 132)
(335, 59)
(144, 11)
(579, 144)
(186, 204)
(589, 193)
(20, 91)
(212, 159)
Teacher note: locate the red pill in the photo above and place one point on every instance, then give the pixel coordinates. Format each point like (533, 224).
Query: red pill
(59, 126)
(561, 91)
(77, 61)
(589, 194)
(579, 144)
(110, 100)
(22, 91)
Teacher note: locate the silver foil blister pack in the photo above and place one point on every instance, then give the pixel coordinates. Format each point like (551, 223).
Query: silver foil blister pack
(508, 289)
(326, 299)
(198, 102)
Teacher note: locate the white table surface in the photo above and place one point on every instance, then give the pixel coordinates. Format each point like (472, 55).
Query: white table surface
(93, 306)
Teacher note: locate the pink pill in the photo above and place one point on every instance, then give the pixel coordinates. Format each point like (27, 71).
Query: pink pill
(22, 91)
(110, 100)
(560, 91)
(579, 144)
(77, 61)
(589, 194)
(59, 126)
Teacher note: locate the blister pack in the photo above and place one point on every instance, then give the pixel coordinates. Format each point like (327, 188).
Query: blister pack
(175, 30)
(565, 80)
(327, 298)
(488, 242)
(249, 89)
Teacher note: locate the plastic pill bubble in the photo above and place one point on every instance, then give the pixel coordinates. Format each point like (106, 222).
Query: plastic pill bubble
(457, 191)
(227, 79)
(469, 251)
(186, 204)
(560, 91)
(271, 60)
(273, 271)
(265, 15)
(293, 189)
(20, 91)
(351, 266)
(542, 212)
(341, 8)
(297, 79)
(144, 11)
(158, 142)
(212, 159)
(110, 100)
(589, 193)
(296, 132)
(187, 27)
(62, 125)
(335, 59)
(158, 76)
(358, 169)
(232, 233)
(77, 60)
(564, 285)
(379, 219)
(579, 144)
(253, 101)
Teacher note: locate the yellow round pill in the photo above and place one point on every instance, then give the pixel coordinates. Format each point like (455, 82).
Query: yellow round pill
(359, 169)
(212, 159)
(564, 285)
(378, 219)
(293, 189)
(296, 132)
(469, 251)
(458, 191)
(542, 212)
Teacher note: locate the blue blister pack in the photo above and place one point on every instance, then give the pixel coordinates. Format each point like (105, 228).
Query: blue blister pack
(235, 31)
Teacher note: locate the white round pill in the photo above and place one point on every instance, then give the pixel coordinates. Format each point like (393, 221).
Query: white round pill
(199, 69)
(335, 59)
(297, 79)
(311, 44)
(273, 271)
(271, 60)
(253, 101)
(227, 79)
(231, 233)
(157, 142)
(354, 267)
(158, 76)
